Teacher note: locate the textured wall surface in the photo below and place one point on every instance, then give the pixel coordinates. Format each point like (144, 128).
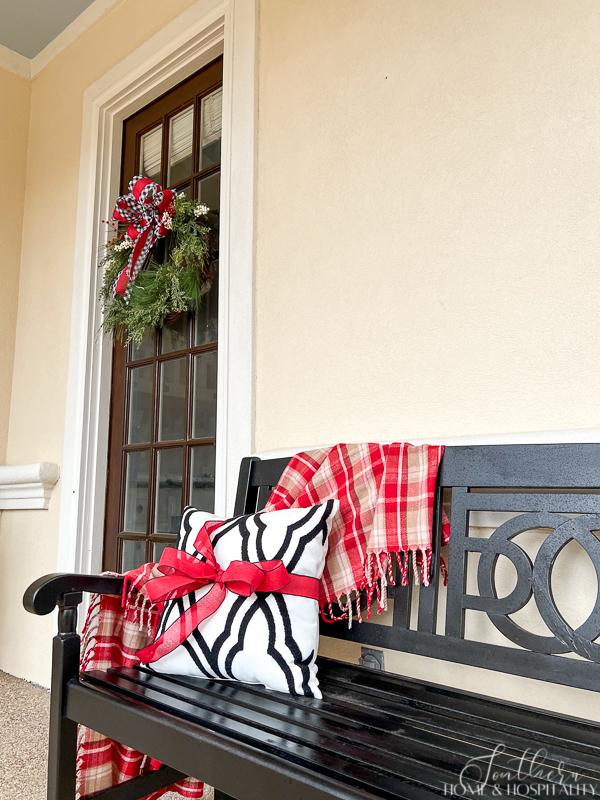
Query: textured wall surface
(429, 239)
(428, 207)
(14, 125)
(36, 427)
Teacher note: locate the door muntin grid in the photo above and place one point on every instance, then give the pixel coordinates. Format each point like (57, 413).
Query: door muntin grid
(168, 446)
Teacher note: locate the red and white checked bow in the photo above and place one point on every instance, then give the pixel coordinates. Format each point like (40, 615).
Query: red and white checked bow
(183, 574)
(144, 208)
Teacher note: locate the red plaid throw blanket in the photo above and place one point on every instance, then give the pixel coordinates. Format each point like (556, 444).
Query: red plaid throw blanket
(111, 637)
(386, 494)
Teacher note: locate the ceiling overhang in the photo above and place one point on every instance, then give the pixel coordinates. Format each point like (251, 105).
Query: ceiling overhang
(29, 67)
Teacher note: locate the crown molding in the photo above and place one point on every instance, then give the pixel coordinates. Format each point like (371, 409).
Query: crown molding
(80, 24)
(30, 67)
(15, 62)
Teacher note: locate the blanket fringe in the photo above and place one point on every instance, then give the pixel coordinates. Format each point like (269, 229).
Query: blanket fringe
(136, 606)
(90, 630)
(380, 571)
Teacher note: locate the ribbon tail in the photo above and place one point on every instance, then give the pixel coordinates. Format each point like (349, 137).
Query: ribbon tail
(183, 626)
(122, 282)
(134, 262)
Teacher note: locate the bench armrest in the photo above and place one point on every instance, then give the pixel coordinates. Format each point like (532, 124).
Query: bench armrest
(44, 595)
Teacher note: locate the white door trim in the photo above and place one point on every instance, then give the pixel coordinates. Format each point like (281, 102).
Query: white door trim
(193, 39)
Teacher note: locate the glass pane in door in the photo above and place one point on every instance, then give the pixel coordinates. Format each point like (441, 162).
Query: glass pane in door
(175, 334)
(207, 321)
(209, 191)
(141, 394)
(202, 484)
(181, 135)
(205, 395)
(158, 547)
(133, 553)
(145, 349)
(172, 400)
(210, 129)
(169, 485)
(137, 471)
(150, 154)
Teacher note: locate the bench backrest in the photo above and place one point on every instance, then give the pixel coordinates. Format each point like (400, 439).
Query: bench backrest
(551, 489)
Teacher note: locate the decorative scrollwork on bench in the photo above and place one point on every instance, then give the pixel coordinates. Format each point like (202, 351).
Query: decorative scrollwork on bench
(534, 578)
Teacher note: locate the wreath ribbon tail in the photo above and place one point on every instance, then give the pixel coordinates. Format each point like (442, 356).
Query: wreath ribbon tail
(142, 245)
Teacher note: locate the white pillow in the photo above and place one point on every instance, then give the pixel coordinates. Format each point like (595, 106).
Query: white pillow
(265, 638)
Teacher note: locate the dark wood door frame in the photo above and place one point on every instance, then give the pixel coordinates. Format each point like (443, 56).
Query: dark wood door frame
(189, 92)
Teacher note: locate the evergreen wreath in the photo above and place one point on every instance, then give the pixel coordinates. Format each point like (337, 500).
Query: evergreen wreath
(176, 272)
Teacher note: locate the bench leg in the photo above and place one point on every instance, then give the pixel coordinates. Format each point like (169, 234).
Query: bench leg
(62, 744)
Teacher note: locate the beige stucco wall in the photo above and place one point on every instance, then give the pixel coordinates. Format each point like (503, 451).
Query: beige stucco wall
(14, 124)
(428, 249)
(428, 241)
(428, 206)
(28, 539)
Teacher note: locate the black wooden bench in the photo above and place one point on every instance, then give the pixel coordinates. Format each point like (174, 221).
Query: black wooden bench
(375, 734)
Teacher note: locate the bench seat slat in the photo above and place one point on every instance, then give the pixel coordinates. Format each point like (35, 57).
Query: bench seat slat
(382, 774)
(427, 738)
(480, 733)
(387, 735)
(498, 715)
(306, 720)
(235, 766)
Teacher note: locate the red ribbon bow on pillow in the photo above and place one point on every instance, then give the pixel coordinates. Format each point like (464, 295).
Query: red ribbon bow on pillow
(183, 574)
(144, 208)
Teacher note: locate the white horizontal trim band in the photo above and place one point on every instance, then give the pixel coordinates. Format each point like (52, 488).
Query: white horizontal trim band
(26, 486)
(568, 436)
(478, 519)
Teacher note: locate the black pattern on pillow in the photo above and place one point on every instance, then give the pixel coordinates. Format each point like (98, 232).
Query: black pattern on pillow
(266, 638)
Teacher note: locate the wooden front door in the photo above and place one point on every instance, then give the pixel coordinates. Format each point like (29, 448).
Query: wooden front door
(164, 392)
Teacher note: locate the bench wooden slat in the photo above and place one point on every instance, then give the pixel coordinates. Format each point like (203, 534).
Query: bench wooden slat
(321, 753)
(397, 738)
(551, 466)
(428, 738)
(528, 466)
(231, 764)
(510, 718)
(366, 725)
(397, 713)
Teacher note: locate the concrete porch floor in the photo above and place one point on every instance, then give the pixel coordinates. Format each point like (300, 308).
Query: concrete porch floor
(23, 741)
